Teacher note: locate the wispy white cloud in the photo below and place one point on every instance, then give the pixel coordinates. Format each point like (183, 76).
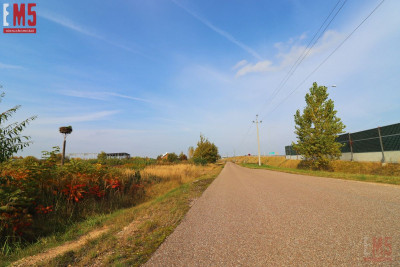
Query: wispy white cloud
(261, 66)
(78, 118)
(288, 53)
(65, 22)
(240, 64)
(221, 32)
(83, 94)
(130, 97)
(101, 95)
(8, 66)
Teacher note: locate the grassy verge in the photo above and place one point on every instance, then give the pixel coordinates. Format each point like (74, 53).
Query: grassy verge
(134, 233)
(340, 175)
(74, 231)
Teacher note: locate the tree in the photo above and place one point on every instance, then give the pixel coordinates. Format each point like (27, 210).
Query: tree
(11, 140)
(182, 157)
(190, 152)
(172, 157)
(317, 129)
(206, 150)
(65, 131)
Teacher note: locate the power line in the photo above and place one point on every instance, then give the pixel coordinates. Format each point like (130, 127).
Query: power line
(309, 49)
(326, 59)
(305, 52)
(297, 63)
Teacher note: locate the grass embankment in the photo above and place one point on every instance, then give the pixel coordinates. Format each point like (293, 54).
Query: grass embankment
(134, 233)
(359, 171)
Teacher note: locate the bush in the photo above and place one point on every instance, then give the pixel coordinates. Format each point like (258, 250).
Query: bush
(38, 197)
(200, 161)
(102, 157)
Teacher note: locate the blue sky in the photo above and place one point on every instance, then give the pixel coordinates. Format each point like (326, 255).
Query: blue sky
(147, 77)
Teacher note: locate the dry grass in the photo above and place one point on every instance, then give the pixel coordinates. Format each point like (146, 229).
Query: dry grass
(373, 168)
(135, 233)
(278, 161)
(166, 192)
(162, 178)
(182, 173)
(339, 166)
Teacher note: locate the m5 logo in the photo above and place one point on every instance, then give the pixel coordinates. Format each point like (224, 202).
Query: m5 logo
(23, 18)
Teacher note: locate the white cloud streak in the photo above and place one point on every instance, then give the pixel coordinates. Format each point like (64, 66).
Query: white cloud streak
(221, 32)
(78, 118)
(288, 54)
(67, 23)
(130, 97)
(8, 66)
(261, 66)
(240, 64)
(101, 95)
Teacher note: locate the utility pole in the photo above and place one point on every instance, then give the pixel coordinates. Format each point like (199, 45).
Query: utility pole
(258, 139)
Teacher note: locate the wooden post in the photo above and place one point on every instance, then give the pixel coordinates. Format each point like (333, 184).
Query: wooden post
(382, 149)
(63, 153)
(351, 147)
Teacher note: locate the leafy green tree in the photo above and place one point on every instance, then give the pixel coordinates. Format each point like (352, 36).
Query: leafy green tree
(11, 140)
(317, 129)
(206, 150)
(172, 157)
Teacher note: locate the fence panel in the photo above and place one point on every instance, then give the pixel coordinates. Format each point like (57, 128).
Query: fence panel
(367, 141)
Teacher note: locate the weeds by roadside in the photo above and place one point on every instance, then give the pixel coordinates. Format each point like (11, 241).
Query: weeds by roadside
(177, 180)
(38, 198)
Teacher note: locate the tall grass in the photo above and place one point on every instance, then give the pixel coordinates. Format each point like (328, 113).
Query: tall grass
(101, 190)
(162, 178)
(157, 181)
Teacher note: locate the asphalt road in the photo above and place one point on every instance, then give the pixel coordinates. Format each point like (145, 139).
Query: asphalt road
(264, 218)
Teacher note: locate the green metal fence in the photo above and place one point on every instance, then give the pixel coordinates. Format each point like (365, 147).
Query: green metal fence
(290, 151)
(381, 139)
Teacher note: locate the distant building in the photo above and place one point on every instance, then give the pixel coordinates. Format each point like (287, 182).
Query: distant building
(121, 155)
(165, 155)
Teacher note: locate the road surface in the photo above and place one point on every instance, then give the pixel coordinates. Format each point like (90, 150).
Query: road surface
(253, 217)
